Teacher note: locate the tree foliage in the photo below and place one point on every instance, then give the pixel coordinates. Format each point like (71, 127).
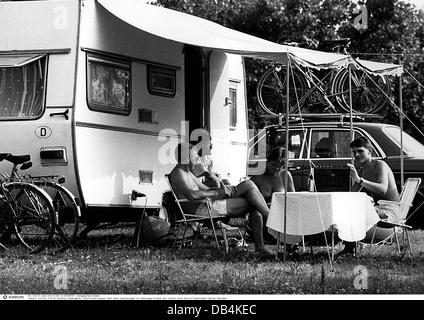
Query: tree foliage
(395, 33)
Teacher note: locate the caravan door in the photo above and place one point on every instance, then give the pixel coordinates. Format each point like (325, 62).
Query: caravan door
(228, 115)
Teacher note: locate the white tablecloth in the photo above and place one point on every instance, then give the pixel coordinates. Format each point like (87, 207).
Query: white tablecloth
(351, 213)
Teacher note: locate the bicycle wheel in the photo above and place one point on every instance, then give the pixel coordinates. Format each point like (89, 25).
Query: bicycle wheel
(31, 218)
(369, 92)
(68, 215)
(271, 91)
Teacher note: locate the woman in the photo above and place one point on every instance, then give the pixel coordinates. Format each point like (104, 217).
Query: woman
(272, 180)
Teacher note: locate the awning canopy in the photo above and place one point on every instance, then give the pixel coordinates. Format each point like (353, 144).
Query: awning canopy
(192, 30)
(17, 60)
(379, 68)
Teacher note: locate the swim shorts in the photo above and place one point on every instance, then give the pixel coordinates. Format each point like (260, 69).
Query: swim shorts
(219, 208)
(388, 211)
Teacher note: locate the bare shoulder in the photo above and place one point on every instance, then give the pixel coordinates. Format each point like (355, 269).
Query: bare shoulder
(283, 172)
(381, 165)
(177, 174)
(255, 179)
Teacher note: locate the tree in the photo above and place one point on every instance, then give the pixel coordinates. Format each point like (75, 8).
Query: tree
(395, 34)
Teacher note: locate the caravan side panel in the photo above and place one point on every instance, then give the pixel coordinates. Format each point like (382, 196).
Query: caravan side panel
(129, 148)
(41, 88)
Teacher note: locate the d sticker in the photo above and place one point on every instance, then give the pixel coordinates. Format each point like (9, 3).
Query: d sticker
(43, 132)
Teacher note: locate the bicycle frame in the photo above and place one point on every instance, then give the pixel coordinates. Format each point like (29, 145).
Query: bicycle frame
(318, 84)
(28, 217)
(67, 207)
(338, 89)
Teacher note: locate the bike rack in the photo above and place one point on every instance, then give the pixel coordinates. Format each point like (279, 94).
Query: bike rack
(329, 116)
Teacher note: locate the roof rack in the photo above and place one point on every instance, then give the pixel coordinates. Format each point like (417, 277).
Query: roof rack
(343, 117)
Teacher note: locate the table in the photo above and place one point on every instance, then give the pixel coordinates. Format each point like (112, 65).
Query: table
(351, 213)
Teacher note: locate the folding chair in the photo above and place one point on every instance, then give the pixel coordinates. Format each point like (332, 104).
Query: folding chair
(398, 225)
(190, 220)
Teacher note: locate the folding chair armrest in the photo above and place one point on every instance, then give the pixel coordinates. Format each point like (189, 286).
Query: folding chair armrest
(393, 222)
(206, 200)
(383, 202)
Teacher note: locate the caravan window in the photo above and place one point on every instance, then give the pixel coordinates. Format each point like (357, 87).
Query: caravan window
(22, 86)
(161, 81)
(233, 105)
(108, 85)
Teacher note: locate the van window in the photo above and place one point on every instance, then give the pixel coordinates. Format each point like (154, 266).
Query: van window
(22, 86)
(296, 142)
(330, 144)
(410, 145)
(108, 85)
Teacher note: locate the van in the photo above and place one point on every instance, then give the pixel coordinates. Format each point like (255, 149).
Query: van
(322, 148)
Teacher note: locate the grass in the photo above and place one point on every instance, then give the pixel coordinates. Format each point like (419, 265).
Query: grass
(107, 263)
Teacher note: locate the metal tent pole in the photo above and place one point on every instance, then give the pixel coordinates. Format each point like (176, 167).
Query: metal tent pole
(286, 168)
(401, 132)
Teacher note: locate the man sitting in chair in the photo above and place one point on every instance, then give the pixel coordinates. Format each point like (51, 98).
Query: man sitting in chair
(376, 177)
(231, 201)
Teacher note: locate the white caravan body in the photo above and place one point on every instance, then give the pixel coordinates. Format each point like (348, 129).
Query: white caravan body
(103, 103)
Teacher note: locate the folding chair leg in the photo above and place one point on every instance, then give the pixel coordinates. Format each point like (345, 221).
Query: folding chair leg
(216, 236)
(408, 238)
(372, 238)
(397, 241)
(225, 237)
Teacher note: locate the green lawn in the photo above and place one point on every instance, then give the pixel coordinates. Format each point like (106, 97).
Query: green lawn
(106, 263)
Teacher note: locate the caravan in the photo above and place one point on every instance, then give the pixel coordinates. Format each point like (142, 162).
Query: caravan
(101, 92)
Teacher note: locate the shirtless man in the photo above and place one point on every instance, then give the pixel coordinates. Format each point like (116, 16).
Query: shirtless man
(375, 176)
(233, 201)
(378, 180)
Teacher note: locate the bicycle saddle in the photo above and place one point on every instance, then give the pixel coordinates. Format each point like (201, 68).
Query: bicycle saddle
(296, 44)
(18, 159)
(333, 45)
(3, 156)
(340, 42)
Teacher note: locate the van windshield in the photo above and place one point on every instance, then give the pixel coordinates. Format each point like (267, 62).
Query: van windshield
(410, 145)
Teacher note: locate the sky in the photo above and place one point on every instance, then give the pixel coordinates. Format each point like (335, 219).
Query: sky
(418, 3)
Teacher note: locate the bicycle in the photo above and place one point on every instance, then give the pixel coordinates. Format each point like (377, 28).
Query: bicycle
(65, 203)
(27, 216)
(312, 89)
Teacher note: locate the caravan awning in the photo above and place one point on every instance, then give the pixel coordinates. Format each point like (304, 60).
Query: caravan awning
(17, 60)
(379, 68)
(188, 29)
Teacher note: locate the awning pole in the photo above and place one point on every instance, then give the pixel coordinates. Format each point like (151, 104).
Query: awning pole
(286, 168)
(349, 68)
(401, 131)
